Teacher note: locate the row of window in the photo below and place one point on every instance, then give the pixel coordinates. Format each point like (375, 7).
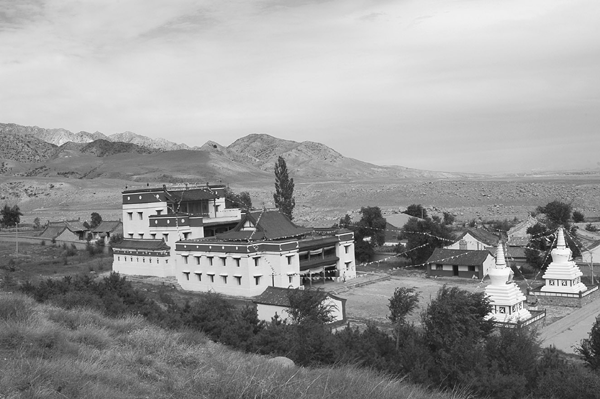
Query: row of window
(441, 267)
(137, 259)
(222, 260)
(224, 279)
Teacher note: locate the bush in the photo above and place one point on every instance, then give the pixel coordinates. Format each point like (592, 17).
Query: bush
(15, 308)
(43, 243)
(591, 227)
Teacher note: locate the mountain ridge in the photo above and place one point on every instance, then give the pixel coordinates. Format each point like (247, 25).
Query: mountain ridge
(253, 155)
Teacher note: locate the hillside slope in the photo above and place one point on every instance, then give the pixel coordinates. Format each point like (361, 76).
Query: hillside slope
(25, 148)
(47, 351)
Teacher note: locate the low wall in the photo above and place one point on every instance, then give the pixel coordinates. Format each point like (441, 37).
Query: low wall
(37, 240)
(573, 301)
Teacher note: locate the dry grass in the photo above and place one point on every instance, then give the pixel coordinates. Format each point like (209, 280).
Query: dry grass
(50, 352)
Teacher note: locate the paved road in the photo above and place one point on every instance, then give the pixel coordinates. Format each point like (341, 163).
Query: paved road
(571, 329)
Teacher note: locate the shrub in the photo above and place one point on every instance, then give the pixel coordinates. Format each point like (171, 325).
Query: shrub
(591, 227)
(43, 243)
(15, 308)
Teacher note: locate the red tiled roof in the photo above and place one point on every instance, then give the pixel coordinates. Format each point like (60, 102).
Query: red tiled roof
(458, 257)
(270, 225)
(281, 296)
(108, 226)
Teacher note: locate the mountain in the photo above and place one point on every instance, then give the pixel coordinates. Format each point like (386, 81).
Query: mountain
(53, 136)
(103, 148)
(132, 156)
(159, 144)
(61, 136)
(25, 148)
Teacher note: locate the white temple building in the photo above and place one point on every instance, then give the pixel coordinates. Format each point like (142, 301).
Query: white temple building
(505, 296)
(562, 275)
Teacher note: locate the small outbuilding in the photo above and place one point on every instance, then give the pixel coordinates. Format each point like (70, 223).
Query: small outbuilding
(276, 301)
(459, 263)
(475, 240)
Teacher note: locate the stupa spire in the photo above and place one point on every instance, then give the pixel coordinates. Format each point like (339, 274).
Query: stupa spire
(500, 259)
(560, 241)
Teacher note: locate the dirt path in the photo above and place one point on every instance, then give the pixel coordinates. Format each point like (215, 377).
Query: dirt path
(571, 329)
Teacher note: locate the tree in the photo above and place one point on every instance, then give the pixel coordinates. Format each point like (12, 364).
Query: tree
(448, 218)
(11, 216)
(95, 220)
(345, 222)
(590, 347)
(422, 237)
(416, 210)
(372, 224)
(402, 303)
(557, 213)
(455, 329)
(284, 189)
(241, 200)
(578, 217)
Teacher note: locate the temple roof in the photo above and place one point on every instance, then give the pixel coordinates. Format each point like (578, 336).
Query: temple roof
(458, 257)
(108, 226)
(268, 225)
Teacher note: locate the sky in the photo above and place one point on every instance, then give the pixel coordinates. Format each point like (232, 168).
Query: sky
(483, 86)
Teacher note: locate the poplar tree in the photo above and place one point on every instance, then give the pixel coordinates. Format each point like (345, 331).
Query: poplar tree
(284, 189)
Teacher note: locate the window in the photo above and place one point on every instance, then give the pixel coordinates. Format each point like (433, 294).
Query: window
(185, 236)
(130, 215)
(238, 279)
(289, 259)
(153, 235)
(224, 279)
(291, 278)
(197, 259)
(130, 235)
(346, 248)
(166, 260)
(141, 235)
(132, 259)
(257, 280)
(210, 259)
(166, 237)
(472, 268)
(159, 211)
(212, 278)
(199, 275)
(187, 275)
(149, 260)
(256, 260)
(237, 262)
(141, 215)
(157, 260)
(144, 260)
(223, 260)
(185, 259)
(348, 265)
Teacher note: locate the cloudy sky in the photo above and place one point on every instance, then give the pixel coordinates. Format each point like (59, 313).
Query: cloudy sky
(452, 85)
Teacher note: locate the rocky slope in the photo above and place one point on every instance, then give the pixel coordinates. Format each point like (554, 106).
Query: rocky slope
(25, 148)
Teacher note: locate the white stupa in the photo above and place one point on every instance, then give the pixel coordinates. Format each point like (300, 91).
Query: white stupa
(506, 298)
(562, 275)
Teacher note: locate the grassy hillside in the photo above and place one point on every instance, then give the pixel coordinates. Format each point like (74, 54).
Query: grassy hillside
(50, 352)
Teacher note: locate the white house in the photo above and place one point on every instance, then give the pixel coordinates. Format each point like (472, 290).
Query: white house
(475, 240)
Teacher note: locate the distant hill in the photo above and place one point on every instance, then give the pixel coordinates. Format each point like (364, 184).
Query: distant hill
(103, 148)
(61, 136)
(250, 157)
(25, 148)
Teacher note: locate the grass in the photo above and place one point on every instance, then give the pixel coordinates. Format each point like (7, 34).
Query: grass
(49, 352)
